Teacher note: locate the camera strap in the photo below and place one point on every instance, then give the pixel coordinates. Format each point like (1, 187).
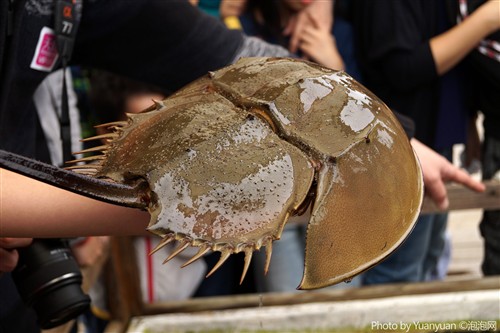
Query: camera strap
(67, 19)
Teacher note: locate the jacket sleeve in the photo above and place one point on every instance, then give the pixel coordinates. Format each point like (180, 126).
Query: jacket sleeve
(166, 43)
(407, 123)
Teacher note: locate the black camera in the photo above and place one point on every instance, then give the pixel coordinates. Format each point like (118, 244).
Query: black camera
(49, 280)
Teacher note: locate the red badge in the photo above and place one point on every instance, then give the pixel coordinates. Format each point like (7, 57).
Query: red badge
(46, 54)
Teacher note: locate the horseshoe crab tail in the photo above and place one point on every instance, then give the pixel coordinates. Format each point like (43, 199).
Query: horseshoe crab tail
(119, 194)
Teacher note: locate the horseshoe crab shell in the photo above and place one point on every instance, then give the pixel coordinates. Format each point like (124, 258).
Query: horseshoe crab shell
(224, 162)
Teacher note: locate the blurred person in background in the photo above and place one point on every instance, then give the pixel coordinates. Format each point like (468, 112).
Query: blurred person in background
(410, 53)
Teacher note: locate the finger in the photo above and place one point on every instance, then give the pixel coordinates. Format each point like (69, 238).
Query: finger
(12, 243)
(436, 190)
(296, 34)
(8, 260)
(315, 38)
(290, 27)
(313, 20)
(460, 176)
(307, 49)
(294, 43)
(308, 32)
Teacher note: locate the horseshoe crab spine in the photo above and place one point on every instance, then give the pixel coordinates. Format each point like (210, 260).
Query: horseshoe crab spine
(130, 196)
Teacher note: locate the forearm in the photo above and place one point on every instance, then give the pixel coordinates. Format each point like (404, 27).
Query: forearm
(29, 208)
(452, 46)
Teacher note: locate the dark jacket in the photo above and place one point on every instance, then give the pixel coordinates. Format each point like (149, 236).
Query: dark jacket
(396, 60)
(115, 35)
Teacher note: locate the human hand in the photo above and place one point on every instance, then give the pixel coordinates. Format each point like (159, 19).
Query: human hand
(91, 250)
(437, 170)
(318, 44)
(231, 8)
(322, 10)
(8, 253)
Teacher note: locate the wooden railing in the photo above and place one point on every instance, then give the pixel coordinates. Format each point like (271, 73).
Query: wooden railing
(321, 295)
(461, 197)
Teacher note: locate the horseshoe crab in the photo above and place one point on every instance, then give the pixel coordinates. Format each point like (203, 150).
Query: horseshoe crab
(223, 163)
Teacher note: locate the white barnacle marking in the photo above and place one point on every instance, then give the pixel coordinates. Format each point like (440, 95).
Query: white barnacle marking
(358, 164)
(172, 193)
(250, 131)
(341, 78)
(283, 120)
(385, 138)
(192, 154)
(355, 158)
(356, 113)
(358, 96)
(314, 89)
(356, 116)
(385, 126)
(249, 204)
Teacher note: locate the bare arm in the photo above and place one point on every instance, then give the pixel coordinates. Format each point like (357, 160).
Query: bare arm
(29, 208)
(437, 170)
(453, 45)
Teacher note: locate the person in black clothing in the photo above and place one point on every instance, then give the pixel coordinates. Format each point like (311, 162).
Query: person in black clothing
(403, 57)
(484, 62)
(166, 43)
(408, 54)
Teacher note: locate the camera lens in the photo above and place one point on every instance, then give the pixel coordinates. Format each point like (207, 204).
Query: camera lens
(49, 279)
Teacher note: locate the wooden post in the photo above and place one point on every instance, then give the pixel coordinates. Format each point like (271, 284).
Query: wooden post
(123, 281)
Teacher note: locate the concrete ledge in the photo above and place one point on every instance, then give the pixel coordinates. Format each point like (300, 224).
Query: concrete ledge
(480, 307)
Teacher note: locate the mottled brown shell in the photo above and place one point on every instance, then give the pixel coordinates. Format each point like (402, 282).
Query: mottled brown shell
(229, 158)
